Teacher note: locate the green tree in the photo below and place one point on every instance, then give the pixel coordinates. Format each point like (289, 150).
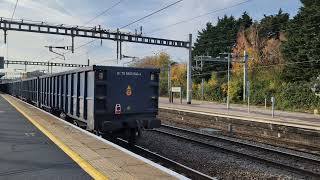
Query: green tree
(214, 40)
(302, 50)
(272, 25)
(245, 21)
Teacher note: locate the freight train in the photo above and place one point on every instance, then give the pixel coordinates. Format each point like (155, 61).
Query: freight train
(105, 100)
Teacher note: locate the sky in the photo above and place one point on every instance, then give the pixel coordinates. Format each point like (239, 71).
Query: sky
(30, 46)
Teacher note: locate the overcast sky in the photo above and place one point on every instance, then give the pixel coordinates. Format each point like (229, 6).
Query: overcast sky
(30, 46)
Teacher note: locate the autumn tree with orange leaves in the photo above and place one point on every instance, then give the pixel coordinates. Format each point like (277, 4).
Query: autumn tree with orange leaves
(270, 51)
(161, 61)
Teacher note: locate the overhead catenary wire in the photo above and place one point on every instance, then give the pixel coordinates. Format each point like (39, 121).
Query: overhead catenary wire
(282, 30)
(105, 60)
(184, 20)
(90, 42)
(98, 15)
(221, 10)
(146, 15)
(155, 12)
(152, 51)
(120, 28)
(198, 16)
(14, 9)
(264, 66)
(103, 12)
(270, 26)
(234, 40)
(207, 67)
(127, 24)
(13, 12)
(139, 59)
(87, 22)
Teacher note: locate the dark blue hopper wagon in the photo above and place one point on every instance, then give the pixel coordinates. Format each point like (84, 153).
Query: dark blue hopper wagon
(101, 99)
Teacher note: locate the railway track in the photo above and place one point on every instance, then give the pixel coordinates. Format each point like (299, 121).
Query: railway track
(178, 167)
(289, 161)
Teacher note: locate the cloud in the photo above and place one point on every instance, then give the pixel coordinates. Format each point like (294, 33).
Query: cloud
(31, 46)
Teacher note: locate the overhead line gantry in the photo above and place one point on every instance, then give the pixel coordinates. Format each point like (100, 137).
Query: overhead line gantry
(97, 33)
(39, 63)
(87, 32)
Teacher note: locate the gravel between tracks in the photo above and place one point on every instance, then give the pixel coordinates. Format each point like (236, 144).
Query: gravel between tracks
(289, 160)
(211, 162)
(274, 142)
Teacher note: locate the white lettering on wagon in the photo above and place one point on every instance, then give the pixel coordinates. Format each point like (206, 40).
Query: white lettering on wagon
(130, 73)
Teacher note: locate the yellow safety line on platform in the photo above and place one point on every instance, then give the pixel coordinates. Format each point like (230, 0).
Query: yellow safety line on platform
(93, 172)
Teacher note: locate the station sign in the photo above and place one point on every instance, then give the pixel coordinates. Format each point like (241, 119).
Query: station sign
(176, 89)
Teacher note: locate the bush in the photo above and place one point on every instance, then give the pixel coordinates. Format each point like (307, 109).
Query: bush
(296, 96)
(236, 90)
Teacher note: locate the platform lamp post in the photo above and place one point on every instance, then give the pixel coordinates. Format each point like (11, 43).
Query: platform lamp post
(228, 91)
(49, 67)
(316, 90)
(169, 79)
(245, 75)
(189, 69)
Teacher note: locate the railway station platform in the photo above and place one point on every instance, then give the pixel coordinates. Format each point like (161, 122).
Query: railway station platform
(26, 153)
(256, 114)
(37, 145)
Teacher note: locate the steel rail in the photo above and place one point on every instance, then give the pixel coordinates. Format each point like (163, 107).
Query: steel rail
(182, 169)
(221, 138)
(253, 157)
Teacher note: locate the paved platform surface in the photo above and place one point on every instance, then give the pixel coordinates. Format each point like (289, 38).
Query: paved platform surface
(99, 158)
(303, 120)
(26, 153)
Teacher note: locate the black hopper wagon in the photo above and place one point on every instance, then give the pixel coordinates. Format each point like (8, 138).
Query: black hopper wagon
(105, 100)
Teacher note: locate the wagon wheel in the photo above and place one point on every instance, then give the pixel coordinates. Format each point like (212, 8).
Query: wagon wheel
(132, 136)
(75, 123)
(63, 116)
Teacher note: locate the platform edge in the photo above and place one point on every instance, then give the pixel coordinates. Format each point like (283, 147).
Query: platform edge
(86, 166)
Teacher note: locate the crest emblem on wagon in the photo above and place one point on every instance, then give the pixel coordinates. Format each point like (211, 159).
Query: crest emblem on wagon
(129, 91)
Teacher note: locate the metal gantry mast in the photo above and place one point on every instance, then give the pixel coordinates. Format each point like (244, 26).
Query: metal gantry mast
(98, 33)
(92, 32)
(39, 63)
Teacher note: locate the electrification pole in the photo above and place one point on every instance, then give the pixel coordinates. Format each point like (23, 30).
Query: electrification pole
(25, 67)
(228, 93)
(202, 82)
(169, 81)
(48, 67)
(245, 75)
(189, 68)
(202, 89)
(203, 59)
